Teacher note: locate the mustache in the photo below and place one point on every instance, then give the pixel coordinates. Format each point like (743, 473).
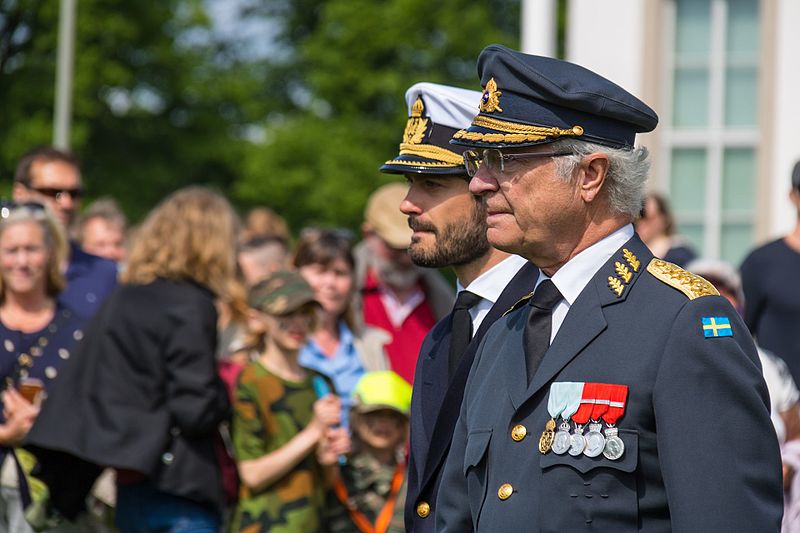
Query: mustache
(416, 225)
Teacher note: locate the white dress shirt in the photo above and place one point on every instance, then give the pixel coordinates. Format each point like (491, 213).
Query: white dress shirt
(490, 285)
(571, 278)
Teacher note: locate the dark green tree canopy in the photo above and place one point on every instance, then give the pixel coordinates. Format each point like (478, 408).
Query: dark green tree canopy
(294, 105)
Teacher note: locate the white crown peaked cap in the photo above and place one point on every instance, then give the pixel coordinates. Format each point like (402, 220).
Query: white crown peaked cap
(446, 106)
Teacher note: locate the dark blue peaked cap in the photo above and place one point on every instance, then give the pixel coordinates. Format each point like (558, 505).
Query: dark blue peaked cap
(530, 100)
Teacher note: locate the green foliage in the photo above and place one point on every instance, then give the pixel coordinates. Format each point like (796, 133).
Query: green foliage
(161, 100)
(352, 62)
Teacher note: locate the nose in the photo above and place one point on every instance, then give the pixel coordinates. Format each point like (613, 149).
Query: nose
(65, 200)
(482, 182)
(328, 279)
(20, 257)
(407, 206)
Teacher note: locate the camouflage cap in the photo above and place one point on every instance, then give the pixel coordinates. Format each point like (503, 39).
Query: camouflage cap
(281, 293)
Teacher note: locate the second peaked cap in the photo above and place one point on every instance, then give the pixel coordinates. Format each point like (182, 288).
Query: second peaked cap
(529, 100)
(435, 113)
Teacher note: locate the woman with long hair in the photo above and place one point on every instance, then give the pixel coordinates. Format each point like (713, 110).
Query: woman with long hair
(143, 395)
(340, 347)
(37, 334)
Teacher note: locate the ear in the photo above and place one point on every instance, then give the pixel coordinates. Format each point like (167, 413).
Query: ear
(591, 175)
(255, 322)
(794, 196)
(20, 193)
(366, 229)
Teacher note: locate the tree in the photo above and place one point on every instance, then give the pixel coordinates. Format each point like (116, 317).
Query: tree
(346, 66)
(295, 107)
(158, 101)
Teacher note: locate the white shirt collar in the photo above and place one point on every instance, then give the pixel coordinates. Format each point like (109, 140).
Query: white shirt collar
(571, 278)
(490, 284)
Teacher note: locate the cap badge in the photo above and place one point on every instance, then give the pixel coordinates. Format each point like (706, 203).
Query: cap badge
(490, 101)
(416, 125)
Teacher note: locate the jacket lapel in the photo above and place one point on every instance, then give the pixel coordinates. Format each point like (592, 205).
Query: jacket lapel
(520, 285)
(435, 375)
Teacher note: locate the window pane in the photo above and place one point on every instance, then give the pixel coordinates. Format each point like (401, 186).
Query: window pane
(741, 96)
(692, 29)
(694, 234)
(743, 31)
(687, 182)
(690, 104)
(736, 241)
(738, 179)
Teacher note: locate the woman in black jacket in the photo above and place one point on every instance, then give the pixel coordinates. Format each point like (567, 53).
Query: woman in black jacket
(143, 395)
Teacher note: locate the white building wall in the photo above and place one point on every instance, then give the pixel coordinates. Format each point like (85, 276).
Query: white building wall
(539, 27)
(608, 38)
(785, 149)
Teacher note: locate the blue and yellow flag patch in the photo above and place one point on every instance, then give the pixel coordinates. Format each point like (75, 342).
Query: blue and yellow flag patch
(717, 326)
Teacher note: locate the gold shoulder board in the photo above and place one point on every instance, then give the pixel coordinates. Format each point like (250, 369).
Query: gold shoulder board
(522, 301)
(692, 285)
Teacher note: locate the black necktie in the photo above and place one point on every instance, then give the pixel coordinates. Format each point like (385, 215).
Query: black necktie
(540, 324)
(461, 327)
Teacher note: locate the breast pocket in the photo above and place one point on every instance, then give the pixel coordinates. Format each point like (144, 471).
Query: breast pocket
(475, 469)
(581, 492)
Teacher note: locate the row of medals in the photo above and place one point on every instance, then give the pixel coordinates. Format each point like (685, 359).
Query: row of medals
(576, 443)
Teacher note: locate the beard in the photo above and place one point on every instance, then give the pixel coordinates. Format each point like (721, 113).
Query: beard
(455, 244)
(400, 277)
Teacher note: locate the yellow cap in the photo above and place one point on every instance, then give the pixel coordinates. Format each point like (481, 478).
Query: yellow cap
(382, 390)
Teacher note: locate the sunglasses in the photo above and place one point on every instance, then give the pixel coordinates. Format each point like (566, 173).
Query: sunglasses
(58, 194)
(495, 160)
(8, 206)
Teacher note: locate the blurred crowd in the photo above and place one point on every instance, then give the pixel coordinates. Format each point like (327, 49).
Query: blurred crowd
(246, 376)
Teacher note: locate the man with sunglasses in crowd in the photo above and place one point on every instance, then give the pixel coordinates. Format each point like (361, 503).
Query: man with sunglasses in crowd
(52, 177)
(449, 225)
(624, 394)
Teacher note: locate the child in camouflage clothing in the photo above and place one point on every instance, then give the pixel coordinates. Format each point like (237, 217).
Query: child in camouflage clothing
(369, 494)
(279, 421)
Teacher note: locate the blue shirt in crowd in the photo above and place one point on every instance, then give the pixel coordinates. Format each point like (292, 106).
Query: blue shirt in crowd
(344, 368)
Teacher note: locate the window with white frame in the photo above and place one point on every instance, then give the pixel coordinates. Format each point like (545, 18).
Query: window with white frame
(711, 125)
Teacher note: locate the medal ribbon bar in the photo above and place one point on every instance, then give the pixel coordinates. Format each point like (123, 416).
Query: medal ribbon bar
(583, 413)
(618, 396)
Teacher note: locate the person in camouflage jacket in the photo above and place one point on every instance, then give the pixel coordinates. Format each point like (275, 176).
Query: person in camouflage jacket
(282, 412)
(369, 494)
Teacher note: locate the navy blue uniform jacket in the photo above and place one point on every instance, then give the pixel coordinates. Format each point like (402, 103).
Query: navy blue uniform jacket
(436, 401)
(700, 452)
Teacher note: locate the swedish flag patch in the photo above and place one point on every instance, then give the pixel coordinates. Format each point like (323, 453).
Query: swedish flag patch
(717, 326)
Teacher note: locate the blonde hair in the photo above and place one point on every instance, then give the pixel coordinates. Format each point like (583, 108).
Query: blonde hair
(54, 239)
(191, 234)
(264, 222)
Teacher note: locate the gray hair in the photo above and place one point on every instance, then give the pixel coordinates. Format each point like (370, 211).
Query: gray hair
(626, 179)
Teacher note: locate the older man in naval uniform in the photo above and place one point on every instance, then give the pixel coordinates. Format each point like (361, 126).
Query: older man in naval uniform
(625, 394)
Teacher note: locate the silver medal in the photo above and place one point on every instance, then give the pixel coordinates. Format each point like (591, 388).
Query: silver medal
(561, 443)
(595, 442)
(614, 446)
(577, 442)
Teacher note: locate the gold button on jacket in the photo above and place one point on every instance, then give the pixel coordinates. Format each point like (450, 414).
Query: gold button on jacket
(518, 432)
(423, 509)
(505, 491)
